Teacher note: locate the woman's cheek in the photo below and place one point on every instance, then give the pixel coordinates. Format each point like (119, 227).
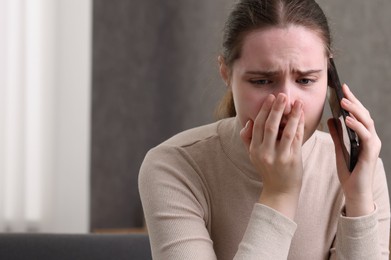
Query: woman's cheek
(248, 100)
(254, 105)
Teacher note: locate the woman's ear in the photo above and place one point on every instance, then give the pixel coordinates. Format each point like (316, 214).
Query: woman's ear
(224, 72)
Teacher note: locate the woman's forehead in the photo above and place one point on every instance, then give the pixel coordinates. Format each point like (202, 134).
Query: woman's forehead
(288, 44)
(292, 36)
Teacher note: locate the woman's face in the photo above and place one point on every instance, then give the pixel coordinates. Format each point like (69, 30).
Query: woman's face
(289, 60)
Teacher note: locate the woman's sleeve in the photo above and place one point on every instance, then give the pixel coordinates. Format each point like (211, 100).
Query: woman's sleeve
(175, 203)
(268, 235)
(175, 206)
(366, 237)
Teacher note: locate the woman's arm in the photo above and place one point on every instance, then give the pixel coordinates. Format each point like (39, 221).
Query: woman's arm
(363, 229)
(364, 237)
(176, 210)
(174, 206)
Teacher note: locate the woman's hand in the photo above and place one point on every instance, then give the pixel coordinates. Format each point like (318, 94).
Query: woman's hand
(275, 150)
(357, 186)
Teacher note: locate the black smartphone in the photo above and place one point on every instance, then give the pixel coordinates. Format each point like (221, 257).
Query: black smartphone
(347, 136)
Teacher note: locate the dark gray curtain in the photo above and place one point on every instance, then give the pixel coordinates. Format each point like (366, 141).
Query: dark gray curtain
(155, 73)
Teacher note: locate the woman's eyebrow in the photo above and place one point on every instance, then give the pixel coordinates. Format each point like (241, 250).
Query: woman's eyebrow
(306, 72)
(266, 73)
(270, 73)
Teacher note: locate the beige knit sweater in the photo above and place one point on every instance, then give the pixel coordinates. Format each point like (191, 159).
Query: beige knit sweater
(199, 192)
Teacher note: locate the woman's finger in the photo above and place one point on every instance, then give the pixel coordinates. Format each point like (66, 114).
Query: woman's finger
(370, 143)
(259, 122)
(351, 104)
(299, 138)
(362, 123)
(349, 95)
(246, 134)
(273, 121)
(357, 111)
(290, 131)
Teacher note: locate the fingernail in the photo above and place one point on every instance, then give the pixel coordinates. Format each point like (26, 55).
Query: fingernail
(281, 98)
(247, 124)
(346, 101)
(349, 119)
(270, 99)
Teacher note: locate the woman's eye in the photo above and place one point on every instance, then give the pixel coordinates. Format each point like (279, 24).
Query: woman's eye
(260, 81)
(305, 81)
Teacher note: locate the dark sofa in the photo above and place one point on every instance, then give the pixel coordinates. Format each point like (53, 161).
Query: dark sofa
(25, 246)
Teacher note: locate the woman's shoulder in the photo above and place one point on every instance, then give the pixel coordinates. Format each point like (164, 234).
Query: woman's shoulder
(196, 135)
(201, 136)
(180, 156)
(193, 135)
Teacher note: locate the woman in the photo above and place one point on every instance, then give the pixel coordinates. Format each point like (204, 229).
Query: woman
(263, 183)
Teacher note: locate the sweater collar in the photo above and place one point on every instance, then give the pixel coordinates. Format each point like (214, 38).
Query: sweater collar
(229, 131)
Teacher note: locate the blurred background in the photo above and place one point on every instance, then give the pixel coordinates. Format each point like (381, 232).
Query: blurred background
(87, 87)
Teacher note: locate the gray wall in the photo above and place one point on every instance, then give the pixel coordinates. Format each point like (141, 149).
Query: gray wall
(155, 74)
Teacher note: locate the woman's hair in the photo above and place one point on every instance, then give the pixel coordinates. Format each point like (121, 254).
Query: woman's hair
(250, 15)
